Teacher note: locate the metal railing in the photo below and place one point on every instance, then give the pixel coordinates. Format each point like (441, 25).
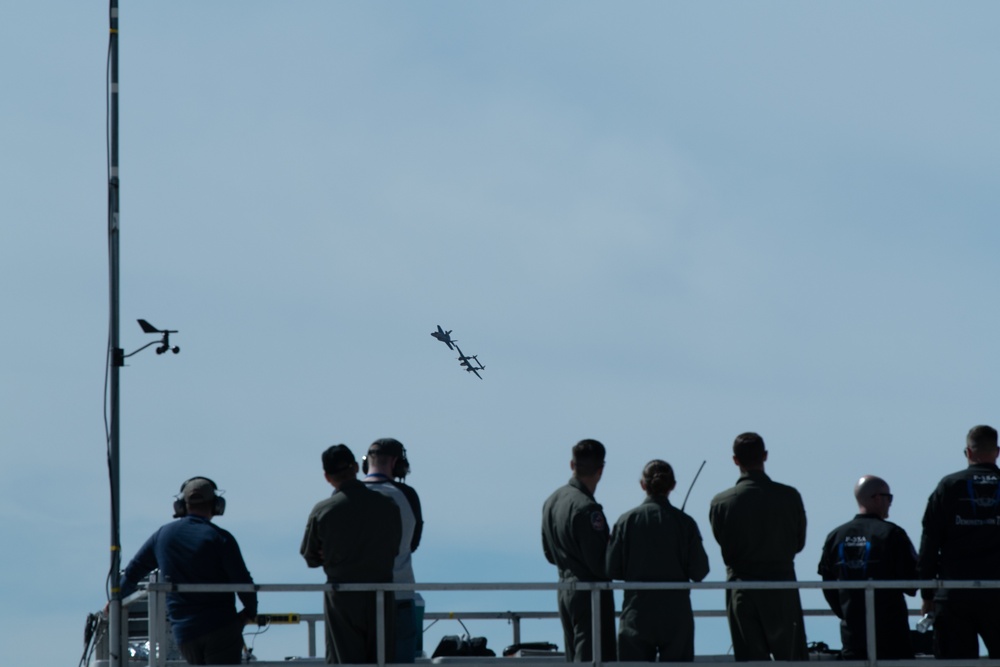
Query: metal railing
(156, 593)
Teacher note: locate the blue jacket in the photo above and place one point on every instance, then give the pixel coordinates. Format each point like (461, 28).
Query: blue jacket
(193, 550)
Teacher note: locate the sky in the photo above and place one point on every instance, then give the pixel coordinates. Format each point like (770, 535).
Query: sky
(658, 224)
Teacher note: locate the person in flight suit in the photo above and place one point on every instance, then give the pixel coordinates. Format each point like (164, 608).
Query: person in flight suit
(354, 535)
(656, 542)
(760, 526)
(869, 547)
(575, 539)
(961, 540)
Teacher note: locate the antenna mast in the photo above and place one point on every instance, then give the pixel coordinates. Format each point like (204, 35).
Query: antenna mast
(116, 356)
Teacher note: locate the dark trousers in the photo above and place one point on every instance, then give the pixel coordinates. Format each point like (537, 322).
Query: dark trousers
(574, 612)
(406, 631)
(962, 619)
(351, 627)
(766, 623)
(656, 625)
(223, 646)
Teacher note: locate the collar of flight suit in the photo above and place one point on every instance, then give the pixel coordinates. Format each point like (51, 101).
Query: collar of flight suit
(577, 484)
(753, 476)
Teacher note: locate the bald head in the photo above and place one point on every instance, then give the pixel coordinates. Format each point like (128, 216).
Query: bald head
(872, 494)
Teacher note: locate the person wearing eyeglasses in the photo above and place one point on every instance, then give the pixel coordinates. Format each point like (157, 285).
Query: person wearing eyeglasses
(869, 547)
(961, 541)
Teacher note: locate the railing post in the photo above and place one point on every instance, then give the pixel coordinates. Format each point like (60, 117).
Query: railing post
(380, 625)
(515, 620)
(870, 624)
(311, 629)
(595, 623)
(157, 619)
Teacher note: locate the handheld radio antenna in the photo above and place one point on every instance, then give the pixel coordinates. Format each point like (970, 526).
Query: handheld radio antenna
(688, 494)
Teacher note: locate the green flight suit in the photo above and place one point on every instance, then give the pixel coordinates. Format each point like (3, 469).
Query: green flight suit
(760, 526)
(656, 542)
(575, 539)
(354, 535)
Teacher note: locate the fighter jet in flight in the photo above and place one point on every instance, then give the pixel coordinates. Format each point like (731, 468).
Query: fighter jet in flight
(444, 337)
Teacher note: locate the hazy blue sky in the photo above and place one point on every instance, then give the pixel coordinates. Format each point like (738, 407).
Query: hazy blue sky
(659, 224)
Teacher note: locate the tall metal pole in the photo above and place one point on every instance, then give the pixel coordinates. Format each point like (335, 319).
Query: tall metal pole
(117, 653)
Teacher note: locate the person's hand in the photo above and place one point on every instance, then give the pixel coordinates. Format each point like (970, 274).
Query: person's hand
(927, 606)
(247, 619)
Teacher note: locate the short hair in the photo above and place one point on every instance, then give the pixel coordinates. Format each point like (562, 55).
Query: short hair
(981, 438)
(748, 448)
(658, 476)
(201, 506)
(337, 459)
(588, 457)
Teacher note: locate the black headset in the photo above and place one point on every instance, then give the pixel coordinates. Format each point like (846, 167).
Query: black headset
(180, 507)
(400, 469)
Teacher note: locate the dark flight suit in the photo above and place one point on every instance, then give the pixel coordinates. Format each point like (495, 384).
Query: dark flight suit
(656, 542)
(760, 526)
(355, 536)
(575, 539)
(961, 540)
(869, 547)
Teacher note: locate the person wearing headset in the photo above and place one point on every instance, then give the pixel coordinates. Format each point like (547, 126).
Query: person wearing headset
(193, 550)
(385, 462)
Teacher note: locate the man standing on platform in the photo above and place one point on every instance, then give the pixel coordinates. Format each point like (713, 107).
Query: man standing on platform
(575, 537)
(961, 540)
(760, 526)
(869, 547)
(354, 535)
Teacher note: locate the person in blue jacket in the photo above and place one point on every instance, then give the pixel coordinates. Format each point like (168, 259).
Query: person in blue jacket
(192, 550)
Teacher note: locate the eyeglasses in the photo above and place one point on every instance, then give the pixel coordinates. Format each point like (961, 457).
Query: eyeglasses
(884, 495)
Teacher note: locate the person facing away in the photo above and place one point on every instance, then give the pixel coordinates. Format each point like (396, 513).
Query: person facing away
(192, 550)
(386, 460)
(869, 547)
(961, 540)
(760, 525)
(656, 542)
(575, 540)
(354, 536)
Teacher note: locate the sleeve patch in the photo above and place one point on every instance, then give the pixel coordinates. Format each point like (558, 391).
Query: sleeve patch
(597, 521)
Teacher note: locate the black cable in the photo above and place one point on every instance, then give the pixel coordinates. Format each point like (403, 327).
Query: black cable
(253, 638)
(109, 356)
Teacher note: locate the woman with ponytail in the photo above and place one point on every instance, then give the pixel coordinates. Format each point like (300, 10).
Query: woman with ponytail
(656, 542)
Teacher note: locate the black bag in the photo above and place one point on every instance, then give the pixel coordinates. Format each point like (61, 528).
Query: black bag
(453, 645)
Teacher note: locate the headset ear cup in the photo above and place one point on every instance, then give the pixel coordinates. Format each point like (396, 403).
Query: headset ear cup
(180, 508)
(220, 506)
(364, 464)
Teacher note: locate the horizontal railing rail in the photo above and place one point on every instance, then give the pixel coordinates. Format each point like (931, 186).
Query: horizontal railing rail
(156, 593)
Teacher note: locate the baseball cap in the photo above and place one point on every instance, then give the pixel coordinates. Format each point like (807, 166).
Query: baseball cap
(199, 491)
